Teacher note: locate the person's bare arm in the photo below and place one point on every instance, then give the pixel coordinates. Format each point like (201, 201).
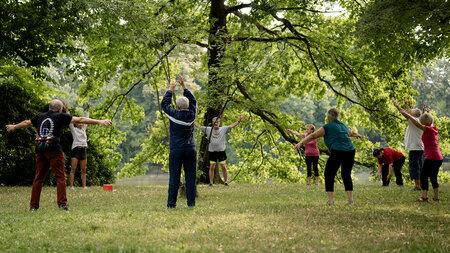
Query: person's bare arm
(408, 109)
(352, 133)
(23, 124)
(181, 82)
(319, 133)
(409, 116)
(83, 120)
(237, 122)
(66, 108)
(390, 172)
(295, 132)
(379, 170)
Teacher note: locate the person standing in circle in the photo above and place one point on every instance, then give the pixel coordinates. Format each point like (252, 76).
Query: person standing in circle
(433, 156)
(342, 153)
(311, 153)
(183, 149)
(389, 158)
(79, 146)
(217, 146)
(49, 151)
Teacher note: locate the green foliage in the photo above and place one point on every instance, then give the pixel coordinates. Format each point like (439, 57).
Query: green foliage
(283, 63)
(35, 32)
(20, 99)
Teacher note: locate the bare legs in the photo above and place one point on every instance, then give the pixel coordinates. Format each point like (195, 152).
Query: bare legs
(212, 166)
(224, 172)
(73, 168)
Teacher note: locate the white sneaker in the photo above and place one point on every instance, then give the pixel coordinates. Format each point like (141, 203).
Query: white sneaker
(72, 188)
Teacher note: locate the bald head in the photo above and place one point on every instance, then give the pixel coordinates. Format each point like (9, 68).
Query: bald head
(56, 105)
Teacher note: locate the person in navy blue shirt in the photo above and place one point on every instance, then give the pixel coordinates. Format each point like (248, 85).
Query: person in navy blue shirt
(183, 150)
(342, 153)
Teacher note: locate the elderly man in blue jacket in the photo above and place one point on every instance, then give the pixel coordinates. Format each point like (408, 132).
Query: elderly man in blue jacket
(183, 150)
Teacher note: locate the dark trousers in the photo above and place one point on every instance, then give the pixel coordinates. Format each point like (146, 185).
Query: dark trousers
(44, 161)
(397, 167)
(430, 170)
(416, 158)
(187, 158)
(343, 159)
(312, 161)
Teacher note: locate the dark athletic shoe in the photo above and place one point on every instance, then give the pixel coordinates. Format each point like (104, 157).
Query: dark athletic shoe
(210, 185)
(226, 184)
(65, 208)
(417, 188)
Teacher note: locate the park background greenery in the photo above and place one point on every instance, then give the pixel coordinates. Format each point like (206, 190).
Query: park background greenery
(281, 63)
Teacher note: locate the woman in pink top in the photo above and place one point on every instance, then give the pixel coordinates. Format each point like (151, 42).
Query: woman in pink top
(433, 156)
(311, 152)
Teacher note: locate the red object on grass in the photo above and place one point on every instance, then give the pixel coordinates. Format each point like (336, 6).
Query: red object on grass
(107, 187)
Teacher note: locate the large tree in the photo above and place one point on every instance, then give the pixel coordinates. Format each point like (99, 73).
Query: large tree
(256, 56)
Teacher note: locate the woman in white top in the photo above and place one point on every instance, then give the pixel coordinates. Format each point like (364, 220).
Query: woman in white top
(79, 146)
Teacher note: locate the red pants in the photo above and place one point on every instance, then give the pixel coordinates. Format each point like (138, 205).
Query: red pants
(43, 163)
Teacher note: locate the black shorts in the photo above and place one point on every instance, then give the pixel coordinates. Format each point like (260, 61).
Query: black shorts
(219, 156)
(79, 153)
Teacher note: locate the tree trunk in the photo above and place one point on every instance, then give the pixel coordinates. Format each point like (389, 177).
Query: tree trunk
(216, 41)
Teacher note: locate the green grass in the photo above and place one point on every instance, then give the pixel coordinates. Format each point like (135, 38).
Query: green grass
(238, 218)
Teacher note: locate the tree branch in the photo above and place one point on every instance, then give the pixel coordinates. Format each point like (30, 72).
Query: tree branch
(236, 8)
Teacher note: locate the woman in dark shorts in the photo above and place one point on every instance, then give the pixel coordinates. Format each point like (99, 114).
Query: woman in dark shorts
(79, 146)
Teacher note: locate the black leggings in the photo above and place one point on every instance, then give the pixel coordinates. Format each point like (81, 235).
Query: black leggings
(336, 159)
(312, 161)
(430, 169)
(397, 167)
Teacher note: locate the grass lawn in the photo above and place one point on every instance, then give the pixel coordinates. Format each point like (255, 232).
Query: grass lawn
(238, 218)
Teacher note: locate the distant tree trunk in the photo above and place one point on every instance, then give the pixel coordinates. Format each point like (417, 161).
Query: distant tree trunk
(216, 41)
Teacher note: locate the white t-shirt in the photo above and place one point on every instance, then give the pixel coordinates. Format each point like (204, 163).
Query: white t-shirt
(218, 140)
(79, 135)
(413, 137)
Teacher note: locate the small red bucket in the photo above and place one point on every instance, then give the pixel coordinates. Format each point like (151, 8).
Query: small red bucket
(107, 187)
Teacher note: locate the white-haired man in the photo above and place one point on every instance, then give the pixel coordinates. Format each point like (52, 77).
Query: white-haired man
(183, 149)
(217, 146)
(49, 152)
(413, 143)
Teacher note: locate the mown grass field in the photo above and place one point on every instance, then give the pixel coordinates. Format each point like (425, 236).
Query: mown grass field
(238, 218)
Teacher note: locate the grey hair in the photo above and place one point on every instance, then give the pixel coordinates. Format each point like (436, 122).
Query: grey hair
(426, 119)
(416, 112)
(182, 102)
(333, 114)
(55, 105)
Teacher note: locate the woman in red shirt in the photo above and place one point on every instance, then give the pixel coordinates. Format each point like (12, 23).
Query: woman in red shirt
(433, 156)
(389, 158)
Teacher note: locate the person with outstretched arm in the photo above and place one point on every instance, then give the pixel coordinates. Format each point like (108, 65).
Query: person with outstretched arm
(311, 153)
(49, 152)
(433, 156)
(413, 143)
(342, 153)
(78, 150)
(183, 149)
(217, 146)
